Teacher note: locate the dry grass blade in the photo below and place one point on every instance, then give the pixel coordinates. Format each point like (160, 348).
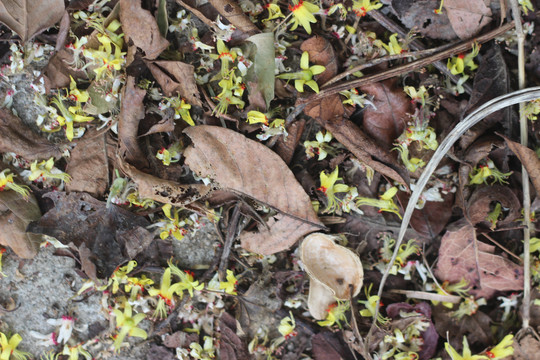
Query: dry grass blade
(478, 115)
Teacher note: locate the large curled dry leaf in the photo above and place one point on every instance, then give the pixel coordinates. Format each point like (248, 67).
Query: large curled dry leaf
(467, 17)
(457, 260)
(141, 27)
(334, 272)
(483, 199)
(176, 77)
(387, 120)
(18, 138)
(165, 191)
(15, 215)
(247, 167)
(131, 113)
(29, 17)
(88, 167)
(529, 159)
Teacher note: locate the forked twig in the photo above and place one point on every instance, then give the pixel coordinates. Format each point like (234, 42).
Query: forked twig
(475, 117)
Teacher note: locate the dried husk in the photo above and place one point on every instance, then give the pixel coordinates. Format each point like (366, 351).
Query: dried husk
(334, 272)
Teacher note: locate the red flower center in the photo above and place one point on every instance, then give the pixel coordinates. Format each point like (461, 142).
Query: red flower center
(297, 6)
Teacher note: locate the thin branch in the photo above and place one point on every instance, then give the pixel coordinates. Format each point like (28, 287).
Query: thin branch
(523, 129)
(381, 60)
(415, 45)
(405, 68)
(503, 248)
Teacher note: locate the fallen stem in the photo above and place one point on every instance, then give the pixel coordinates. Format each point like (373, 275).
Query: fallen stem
(412, 66)
(416, 45)
(523, 129)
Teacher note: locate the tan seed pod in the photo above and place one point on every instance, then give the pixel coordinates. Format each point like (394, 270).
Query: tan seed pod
(333, 270)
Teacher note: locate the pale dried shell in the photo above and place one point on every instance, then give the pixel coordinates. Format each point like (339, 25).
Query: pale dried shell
(333, 271)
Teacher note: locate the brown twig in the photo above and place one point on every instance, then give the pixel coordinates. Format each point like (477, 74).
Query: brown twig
(405, 68)
(503, 248)
(415, 45)
(381, 60)
(229, 239)
(355, 329)
(523, 128)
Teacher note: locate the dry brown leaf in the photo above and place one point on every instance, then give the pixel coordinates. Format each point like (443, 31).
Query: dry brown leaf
(525, 348)
(491, 79)
(57, 71)
(63, 31)
(433, 217)
(88, 167)
(467, 17)
(322, 53)
(131, 113)
(529, 159)
(330, 346)
(231, 346)
(79, 4)
(108, 233)
(457, 260)
(141, 27)
(419, 14)
(249, 168)
(165, 191)
(18, 138)
(279, 233)
(231, 11)
(476, 327)
(15, 215)
(29, 17)
(164, 125)
(388, 119)
(176, 77)
(285, 147)
(363, 147)
(479, 204)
